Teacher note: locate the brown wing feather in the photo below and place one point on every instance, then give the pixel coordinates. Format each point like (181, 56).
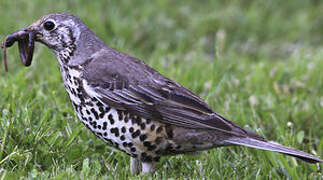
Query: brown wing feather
(129, 84)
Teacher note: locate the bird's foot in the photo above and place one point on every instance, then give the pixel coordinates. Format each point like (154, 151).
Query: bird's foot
(147, 167)
(136, 165)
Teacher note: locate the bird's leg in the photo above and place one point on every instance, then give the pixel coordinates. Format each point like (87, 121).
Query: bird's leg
(147, 167)
(134, 166)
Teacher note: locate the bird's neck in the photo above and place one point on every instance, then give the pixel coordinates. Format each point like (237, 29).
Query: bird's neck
(81, 49)
(65, 55)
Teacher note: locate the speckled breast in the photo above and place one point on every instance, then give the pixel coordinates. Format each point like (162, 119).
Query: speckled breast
(141, 138)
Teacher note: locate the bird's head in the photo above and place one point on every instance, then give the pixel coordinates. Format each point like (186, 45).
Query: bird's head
(63, 33)
(57, 31)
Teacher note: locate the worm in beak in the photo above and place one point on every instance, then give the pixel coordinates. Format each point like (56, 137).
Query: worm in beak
(26, 43)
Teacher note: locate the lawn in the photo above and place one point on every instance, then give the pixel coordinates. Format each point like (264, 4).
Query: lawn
(258, 63)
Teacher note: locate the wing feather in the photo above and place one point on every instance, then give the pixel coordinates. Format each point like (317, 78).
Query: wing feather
(139, 89)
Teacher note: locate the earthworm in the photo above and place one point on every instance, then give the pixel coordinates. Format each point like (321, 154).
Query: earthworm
(26, 40)
(3, 46)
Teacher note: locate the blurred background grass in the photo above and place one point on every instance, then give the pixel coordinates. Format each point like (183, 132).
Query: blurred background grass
(259, 63)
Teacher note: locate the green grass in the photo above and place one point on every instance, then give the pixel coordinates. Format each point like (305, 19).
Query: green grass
(258, 63)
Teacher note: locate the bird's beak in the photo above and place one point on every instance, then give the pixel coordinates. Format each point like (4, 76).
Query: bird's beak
(26, 41)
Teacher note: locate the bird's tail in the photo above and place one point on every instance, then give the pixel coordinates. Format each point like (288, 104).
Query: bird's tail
(271, 146)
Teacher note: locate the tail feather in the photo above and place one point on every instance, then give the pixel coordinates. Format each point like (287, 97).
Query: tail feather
(271, 146)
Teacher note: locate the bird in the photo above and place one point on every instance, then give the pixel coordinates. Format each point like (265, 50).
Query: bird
(128, 104)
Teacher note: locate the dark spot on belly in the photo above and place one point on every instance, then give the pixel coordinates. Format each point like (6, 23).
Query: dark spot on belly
(89, 104)
(99, 134)
(95, 113)
(111, 119)
(149, 146)
(105, 124)
(93, 123)
(120, 115)
(101, 109)
(136, 134)
(115, 131)
(80, 96)
(126, 119)
(99, 104)
(101, 115)
(152, 127)
(123, 129)
(107, 109)
(138, 120)
(143, 137)
(122, 138)
(73, 91)
(159, 129)
(158, 140)
(142, 126)
(80, 111)
(145, 157)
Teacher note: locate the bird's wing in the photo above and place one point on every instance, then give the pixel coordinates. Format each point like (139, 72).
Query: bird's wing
(131, 85)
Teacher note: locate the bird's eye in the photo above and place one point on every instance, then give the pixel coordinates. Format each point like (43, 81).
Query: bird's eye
(49, 25)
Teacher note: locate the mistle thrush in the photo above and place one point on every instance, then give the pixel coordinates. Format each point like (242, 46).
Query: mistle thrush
(128, 104)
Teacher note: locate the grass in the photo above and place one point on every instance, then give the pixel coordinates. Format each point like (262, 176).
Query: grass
(258, 63)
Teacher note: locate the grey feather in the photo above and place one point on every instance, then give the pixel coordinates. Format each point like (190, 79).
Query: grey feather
(270, 146)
